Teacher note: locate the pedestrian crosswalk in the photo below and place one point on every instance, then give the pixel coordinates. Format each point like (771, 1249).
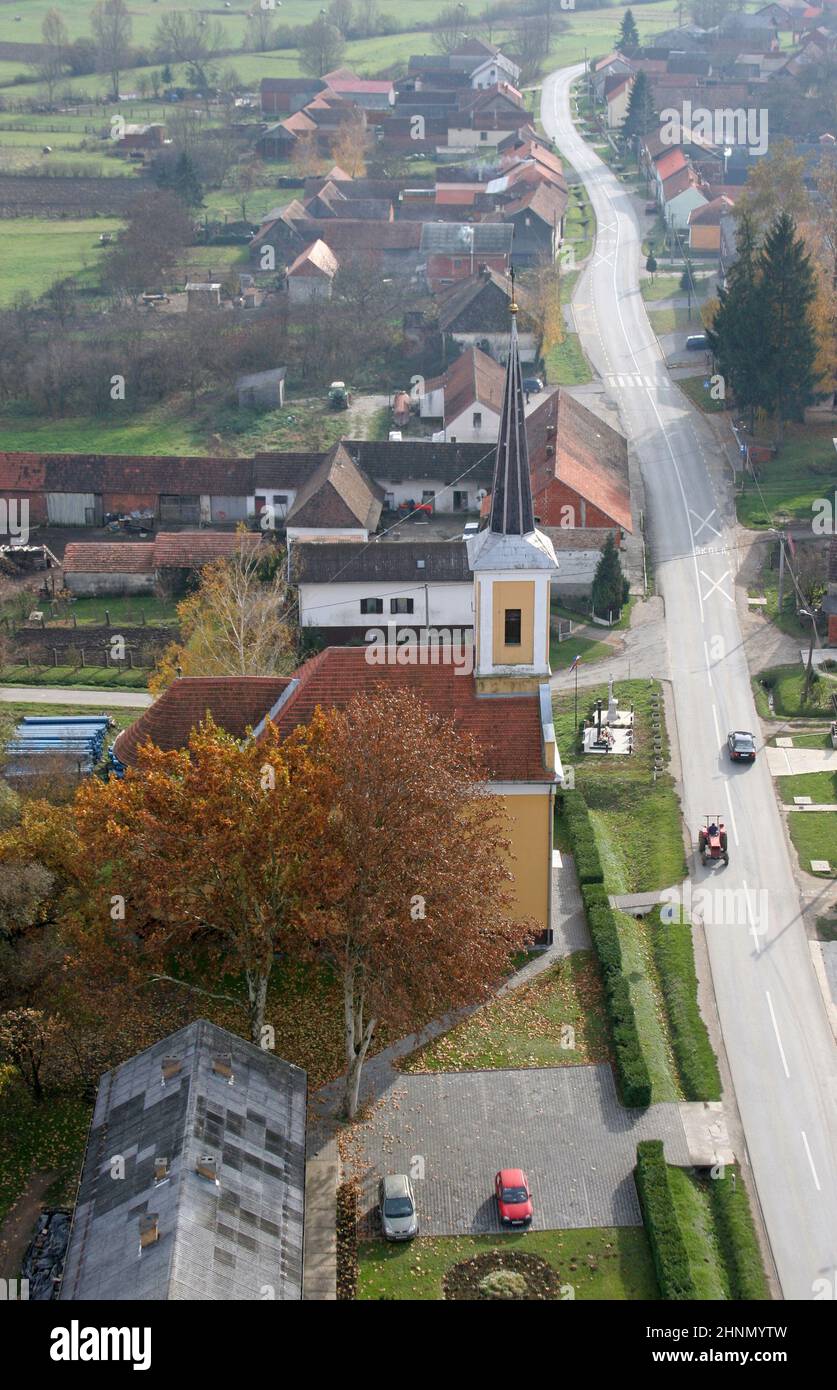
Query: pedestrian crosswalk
(626, 381)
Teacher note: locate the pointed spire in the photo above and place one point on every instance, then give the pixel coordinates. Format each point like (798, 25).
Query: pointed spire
(512, 512)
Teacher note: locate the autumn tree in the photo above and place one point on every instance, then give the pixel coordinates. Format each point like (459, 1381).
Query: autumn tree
(26, 1038)
(112, 27)
(350, 146)
(320, 47)
(236, 623)
(207, 848)
(157, 229)
(307, 159)
(776, 184)
(409, 899)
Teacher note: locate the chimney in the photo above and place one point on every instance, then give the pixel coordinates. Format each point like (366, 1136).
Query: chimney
(170, 1067)
(161, 1169)
(222, 1066)
(149, 1229)
(207, 1167)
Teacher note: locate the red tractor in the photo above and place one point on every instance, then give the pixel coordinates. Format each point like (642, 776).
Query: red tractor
(712, 840)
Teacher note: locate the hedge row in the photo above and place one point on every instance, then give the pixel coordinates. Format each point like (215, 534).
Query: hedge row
(675, 962)
(588, 865)
(737, 1237)
(631, 1068)
(668, 1247)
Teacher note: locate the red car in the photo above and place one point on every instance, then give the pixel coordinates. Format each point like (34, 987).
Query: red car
(514, 1197)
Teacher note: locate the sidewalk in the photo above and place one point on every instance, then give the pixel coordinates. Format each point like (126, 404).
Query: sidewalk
(81, 695)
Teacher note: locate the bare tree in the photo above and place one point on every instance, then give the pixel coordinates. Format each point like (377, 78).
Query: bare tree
(112, 29)
(341, 14)
(52, 62)
(531, 44)
(321, 46)
(187, 37)
(259, 30)
(450, 27)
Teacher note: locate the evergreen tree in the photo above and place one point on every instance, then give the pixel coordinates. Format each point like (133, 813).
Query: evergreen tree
(640, 116)
(610, 587)
(788, 291)
(651, 265)
(182, 178)
(737, 334)
(628, 33)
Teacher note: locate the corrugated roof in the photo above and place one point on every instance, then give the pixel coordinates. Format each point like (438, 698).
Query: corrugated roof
(221, 1241)
(459, 238)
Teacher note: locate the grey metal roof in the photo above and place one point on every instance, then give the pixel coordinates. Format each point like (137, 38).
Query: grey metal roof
(234, 1239)
(422, 561)
(512, 513)
(455, 238)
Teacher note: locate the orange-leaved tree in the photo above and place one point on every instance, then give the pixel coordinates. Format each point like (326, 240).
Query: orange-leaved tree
(204, 847)
(409, 891)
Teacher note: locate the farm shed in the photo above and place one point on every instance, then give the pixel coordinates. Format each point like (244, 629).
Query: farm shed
(95, 568)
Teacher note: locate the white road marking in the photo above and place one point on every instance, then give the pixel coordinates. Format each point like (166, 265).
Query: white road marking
(810, 1160)
(709, 673)
(705, 522)
(717, 725)
(753, 928)
(716, 584)
(778, 1039)
(731, 813)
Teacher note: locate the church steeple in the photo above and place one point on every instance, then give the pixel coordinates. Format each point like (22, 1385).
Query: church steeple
(512, 563)
(512, 513)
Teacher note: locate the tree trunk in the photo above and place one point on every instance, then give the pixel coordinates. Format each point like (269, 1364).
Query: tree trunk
(257, 995)
(357, 1038)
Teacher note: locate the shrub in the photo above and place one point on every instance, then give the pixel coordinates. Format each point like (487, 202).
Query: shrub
(580, 830)
(737, 1237)
(631, 1067)
(668, 1248)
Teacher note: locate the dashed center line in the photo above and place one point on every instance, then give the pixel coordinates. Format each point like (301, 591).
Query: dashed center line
(779, 1044)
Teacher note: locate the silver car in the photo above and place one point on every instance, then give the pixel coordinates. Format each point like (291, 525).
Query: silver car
(397, 1207)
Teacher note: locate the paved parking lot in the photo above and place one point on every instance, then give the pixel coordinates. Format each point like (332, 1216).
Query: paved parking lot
(563, 1125)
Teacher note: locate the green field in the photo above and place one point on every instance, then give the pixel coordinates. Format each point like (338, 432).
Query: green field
(36, 251)
(604, 1264)
(803, 471)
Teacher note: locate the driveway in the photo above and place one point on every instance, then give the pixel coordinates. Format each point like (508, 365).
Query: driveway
(563, 1125)
(785, 762)
(80, 695)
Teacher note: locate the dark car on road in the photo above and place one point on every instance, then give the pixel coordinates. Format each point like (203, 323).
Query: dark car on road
(742, 746)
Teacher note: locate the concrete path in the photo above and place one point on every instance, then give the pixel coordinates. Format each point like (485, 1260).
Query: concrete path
(784, 762)
(643, 651)
(82, 695)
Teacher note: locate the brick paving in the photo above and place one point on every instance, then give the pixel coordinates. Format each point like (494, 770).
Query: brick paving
(564, 1125)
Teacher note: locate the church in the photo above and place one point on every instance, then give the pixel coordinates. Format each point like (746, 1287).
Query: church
(505, 703)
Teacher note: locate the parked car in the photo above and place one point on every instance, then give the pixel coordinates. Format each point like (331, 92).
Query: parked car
(397, 1207)
(697, 342)
(514, 1197)
(742, 746)
(532, 385)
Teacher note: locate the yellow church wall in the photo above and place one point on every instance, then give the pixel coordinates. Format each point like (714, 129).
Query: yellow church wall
(514, 593)
(529, 822)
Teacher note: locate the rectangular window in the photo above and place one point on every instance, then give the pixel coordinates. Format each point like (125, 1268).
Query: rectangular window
(401, 605)
(371, 605)
(477, 419)
(483, 134)
(513, 616)
(460, 501)
(428, 495)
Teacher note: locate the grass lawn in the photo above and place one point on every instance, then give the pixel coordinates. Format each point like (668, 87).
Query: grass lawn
(694, 1209)
(37, 251)
(791, 482)
(672, 320)
(820, 740)
(636, 822)
(814, 836)
(768, 587)
(786, 684)
(820, 786)
(566, 364)
(609, 1264)
(693, 387)
(122, 718)
(524, 1027)
(125, 612)
(564, 653)
(305, 422)
(660, 287)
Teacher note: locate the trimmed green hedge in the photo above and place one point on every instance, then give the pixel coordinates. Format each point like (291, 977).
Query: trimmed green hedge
(737, 1237)
(588, 865)
(675, 962)
(631, 1068)
(668, 1248)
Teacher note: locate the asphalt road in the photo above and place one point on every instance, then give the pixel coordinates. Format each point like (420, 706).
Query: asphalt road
(780, 1047)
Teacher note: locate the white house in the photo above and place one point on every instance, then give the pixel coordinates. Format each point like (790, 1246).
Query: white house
(681, 194)
(345, 589)
(468, 399)
(494, 70)
(312, 274)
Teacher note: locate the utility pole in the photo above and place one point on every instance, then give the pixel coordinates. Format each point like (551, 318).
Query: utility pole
(781, 571)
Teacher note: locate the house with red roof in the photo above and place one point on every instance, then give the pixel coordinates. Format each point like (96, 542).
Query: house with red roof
(499, 696)
(467, 398)
(705, 224)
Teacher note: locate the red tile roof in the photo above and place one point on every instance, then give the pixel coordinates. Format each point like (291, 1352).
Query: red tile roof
(586, 454)
(507, 730)
(474, 378)
(669, 163)
(236, 704)
(109, 557)
(182, 549)
(711, 213)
